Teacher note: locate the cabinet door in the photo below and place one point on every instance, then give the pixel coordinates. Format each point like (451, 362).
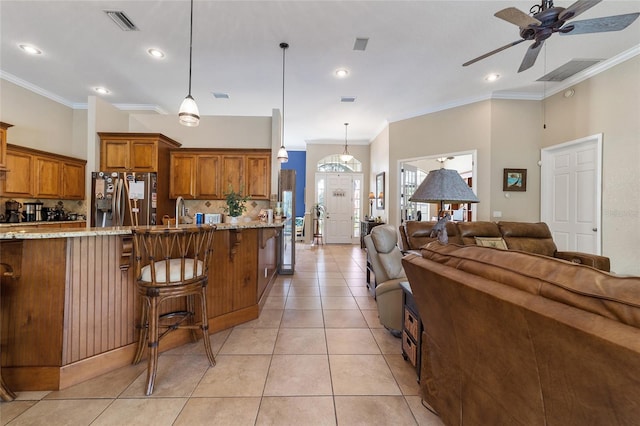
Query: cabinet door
(3, 148)
(143, 156)
(114, 155)
(208, 177)
(183, 171)
(18, 177)
(73, 181)
(233, 173)
(47, 177)
(258, 181)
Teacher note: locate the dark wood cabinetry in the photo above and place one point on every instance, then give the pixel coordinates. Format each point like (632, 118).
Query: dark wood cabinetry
(3, 145)
(135, 152)
(207, 174)
(37, 174)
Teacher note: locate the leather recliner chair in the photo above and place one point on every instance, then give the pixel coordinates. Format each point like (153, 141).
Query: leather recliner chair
(386, 263)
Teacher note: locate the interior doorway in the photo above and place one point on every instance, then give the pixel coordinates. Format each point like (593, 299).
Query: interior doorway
(414, 170)
(571, 194)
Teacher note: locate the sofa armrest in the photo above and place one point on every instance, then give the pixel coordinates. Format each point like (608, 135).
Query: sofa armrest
(599, 262)
(390, 285)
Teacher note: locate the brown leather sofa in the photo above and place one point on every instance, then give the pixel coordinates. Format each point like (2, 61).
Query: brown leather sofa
(513, 338)
(529, 237)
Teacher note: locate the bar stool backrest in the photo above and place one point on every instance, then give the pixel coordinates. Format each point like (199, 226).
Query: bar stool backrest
(166, 256)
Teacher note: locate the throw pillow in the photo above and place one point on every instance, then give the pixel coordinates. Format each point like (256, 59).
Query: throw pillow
(495, 242)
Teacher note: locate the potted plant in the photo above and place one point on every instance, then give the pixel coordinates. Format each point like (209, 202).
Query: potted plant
(235, 204)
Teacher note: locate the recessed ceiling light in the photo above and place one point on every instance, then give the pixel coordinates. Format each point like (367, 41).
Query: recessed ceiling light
(492, 77)
(156, 53)
(32, 50)
(342, 73)
(101, 90)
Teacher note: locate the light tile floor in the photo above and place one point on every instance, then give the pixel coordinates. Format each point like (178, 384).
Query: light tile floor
(316, 356)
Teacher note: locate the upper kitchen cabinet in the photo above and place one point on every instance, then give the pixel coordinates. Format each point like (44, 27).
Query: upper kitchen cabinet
(195, 175)
(207, 174)
(135, 152)
(3, 145)
(37, 174)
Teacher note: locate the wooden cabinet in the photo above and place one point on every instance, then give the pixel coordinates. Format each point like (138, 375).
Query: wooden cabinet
(258, 176)
(37, 174)
(17, 182)
(3, 145)
(208, 174)
(135, 152)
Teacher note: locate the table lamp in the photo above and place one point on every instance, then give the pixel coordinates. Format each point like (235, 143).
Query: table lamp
(443, 186)
(372, 197)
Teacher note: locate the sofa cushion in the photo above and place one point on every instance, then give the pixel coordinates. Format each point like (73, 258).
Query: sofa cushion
(529, 237)
(586, 288)
(419, 233)
(495, 242)
(470, 230)
(384, 238)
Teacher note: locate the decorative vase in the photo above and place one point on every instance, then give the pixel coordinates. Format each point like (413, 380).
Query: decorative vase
(232, 219)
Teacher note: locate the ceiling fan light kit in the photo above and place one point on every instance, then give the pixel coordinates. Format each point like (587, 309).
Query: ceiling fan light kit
(546, 19)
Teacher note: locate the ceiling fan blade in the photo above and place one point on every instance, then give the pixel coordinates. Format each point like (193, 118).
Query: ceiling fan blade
(486, 55)
(531, 56)
(517, 17)
(577, 8)
(600, 25)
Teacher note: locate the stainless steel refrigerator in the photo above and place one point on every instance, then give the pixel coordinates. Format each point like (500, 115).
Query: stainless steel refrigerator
(125, 199)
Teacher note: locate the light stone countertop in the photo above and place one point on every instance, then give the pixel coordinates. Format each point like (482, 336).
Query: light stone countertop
(31, 234)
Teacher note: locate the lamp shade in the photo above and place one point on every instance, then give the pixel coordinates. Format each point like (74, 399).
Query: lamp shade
(189, 114)
(283, 156)
(444, 186)
(372, 196)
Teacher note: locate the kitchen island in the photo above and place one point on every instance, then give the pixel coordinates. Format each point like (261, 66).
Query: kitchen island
(70, 311)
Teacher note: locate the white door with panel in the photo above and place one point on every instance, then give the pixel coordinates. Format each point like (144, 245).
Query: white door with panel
(338, 198)
(571, 196)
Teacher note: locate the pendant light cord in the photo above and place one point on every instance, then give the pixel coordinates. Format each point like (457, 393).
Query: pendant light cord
(190, 45)
(284, 47)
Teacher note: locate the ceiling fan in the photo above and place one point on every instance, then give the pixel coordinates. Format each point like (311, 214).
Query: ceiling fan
(545, 19)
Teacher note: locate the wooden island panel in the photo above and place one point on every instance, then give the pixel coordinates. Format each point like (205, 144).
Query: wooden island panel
(72, 312)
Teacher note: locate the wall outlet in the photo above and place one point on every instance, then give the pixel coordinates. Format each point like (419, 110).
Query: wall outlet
(497, 213)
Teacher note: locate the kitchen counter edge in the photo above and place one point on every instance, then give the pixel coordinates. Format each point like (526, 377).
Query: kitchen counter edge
(33, 234)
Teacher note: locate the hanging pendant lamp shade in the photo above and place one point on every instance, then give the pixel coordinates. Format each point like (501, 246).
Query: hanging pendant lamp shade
(188, 113)
(283, 156)
(345, 156)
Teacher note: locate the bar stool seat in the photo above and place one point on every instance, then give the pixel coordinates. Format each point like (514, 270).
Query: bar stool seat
(171, 263)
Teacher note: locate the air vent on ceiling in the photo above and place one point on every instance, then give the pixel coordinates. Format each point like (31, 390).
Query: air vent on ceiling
(569, 69)
(220, 95)
(347, 99)
(360, 44)
(122, 20)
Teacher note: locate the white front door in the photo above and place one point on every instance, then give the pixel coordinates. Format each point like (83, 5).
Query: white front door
(571, 177)
(338, 208)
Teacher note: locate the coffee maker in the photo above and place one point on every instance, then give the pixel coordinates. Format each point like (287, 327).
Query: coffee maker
(12, 211)
(32, 212)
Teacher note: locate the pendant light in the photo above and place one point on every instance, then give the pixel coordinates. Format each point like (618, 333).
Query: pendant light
(188, 113)
(283, 156)
(345, 156)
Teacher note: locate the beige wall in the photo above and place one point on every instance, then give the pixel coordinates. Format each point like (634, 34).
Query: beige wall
(456, 130)
(39, 122)
(379, 163)
(608, 103)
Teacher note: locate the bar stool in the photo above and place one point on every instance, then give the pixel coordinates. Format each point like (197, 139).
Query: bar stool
(171, 263)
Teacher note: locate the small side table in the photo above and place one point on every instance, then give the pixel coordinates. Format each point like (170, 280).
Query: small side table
(411, 329)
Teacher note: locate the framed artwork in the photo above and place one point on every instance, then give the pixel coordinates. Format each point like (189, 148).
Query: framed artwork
(514, 180)
(380, 191)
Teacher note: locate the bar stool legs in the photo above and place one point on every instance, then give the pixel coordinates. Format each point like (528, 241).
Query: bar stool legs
(150, 329)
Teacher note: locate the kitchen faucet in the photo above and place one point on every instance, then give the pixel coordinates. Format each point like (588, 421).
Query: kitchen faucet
(180, 209)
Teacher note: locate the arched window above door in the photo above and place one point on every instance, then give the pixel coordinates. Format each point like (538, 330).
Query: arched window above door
(333, 163)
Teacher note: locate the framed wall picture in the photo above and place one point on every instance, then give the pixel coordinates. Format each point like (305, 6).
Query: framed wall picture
(514, 180)
(380, 191)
